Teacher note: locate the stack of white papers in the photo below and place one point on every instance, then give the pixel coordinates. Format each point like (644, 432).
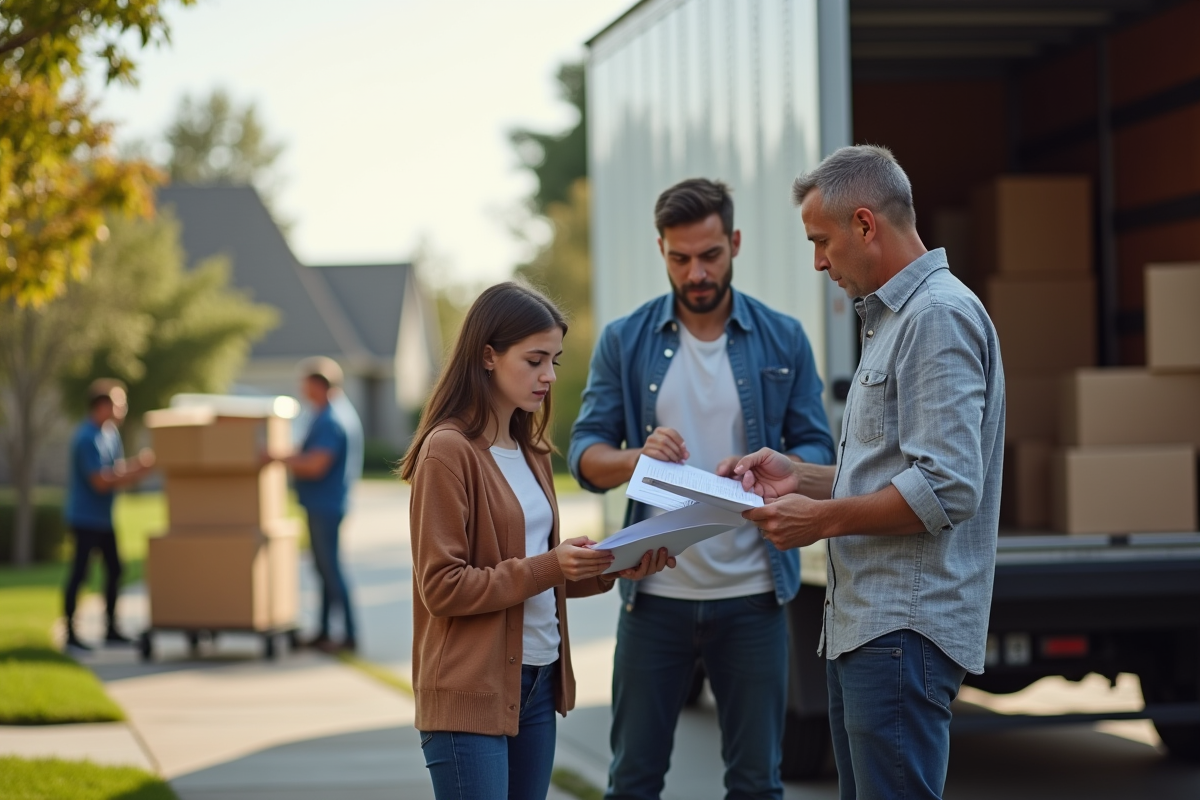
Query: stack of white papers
(699, 505)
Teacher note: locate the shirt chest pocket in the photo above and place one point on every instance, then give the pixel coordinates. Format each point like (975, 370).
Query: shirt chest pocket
(870, 405)
(777, 388)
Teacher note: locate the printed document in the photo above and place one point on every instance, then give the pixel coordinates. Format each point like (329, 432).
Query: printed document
(669, 486)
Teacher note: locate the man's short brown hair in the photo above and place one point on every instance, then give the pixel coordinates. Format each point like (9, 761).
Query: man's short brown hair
(693, 200)
(323, 369)
(106, 389)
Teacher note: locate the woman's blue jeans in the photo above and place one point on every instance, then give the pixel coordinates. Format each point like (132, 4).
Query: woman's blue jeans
(472, 766)
(889, 712)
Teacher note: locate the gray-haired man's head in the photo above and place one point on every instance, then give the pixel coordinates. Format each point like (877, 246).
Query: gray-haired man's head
(863, 176)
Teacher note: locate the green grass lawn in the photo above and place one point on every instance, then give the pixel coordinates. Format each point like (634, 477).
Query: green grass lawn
(38, 684)
(51, 779)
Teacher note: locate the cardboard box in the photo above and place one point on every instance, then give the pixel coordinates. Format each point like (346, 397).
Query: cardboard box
(1129, 406)
(1045, 325)
(249, 499)
(1173, 317)
(224, 581)
(1031, 406)
(1025, 493)
(1124, 489)
(197, 440)
(1030, 225)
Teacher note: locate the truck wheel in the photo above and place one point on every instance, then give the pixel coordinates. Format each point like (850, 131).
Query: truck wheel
(807, 747)
(1182, 740)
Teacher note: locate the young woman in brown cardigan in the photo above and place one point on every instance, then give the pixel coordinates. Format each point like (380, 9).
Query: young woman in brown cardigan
(491, 661)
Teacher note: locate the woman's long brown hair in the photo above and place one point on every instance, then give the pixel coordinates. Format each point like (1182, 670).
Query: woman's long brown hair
(502, 316)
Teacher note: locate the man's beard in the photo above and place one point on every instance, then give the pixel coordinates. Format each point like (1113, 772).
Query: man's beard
(719, 292)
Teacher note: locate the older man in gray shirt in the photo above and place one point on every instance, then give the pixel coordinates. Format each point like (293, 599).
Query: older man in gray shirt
(912, 507)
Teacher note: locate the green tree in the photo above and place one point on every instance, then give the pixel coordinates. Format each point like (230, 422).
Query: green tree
(213, 140)
(557, 160)
(198, 329)
(563, 267)
(58, 179)
(57, 174)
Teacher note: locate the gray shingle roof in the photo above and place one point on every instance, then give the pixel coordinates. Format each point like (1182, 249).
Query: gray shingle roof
(350, 313)
(372, 295)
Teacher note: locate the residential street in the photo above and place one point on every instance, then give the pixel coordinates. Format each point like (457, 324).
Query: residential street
(236, 727)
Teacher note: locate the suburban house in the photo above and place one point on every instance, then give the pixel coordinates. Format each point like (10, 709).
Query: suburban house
(371, 318)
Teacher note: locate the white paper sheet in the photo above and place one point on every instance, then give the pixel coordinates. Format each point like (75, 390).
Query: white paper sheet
(675, 530)
(669, 486)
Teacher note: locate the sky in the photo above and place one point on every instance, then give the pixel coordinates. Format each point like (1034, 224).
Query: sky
(394, 113)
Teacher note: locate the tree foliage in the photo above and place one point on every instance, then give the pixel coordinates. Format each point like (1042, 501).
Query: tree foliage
(58, 178)
(213, 140)
(198, 330)
(563, 267)
(557, 160)
(57, 175)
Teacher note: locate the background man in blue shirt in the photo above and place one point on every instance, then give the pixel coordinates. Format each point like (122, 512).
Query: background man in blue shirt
(97, 469)
(328, 464)
(704, 375)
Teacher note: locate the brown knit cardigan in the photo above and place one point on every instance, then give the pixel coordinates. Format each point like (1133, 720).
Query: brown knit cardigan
(470, 581)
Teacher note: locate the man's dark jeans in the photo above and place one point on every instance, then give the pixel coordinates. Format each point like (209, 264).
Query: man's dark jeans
(87, 540)
(323, 532)
(743, 644)
(889, 711)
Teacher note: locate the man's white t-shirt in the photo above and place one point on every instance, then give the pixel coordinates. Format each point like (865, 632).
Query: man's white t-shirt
(540, 639)
(699, 398)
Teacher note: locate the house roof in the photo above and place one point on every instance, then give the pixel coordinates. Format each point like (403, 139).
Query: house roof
(351, 313)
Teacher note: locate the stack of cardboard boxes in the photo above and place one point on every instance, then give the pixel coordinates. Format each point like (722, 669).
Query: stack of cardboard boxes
(230, 557)
(1129, 436)
(1032, 267)
(1087, 450)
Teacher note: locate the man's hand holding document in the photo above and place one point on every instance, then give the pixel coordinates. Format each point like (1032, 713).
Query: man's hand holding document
(698, 505)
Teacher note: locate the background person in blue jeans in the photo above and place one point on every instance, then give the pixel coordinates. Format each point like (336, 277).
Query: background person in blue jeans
(97, 469)
(911, 510)
(328, 464)
(703, 375)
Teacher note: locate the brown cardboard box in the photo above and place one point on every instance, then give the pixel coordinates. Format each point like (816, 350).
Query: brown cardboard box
(1045, 325)
(1031, 406)
(197, 440)
(1027, 225)
(1025, 496)
(254, 499)
(1129, 406)
(216, 580)
(1142, 489)
(1173, 317)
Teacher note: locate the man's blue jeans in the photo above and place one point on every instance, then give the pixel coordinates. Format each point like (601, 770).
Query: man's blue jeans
(472, 766)
(889, 712)
(323, 534)
(743, 644)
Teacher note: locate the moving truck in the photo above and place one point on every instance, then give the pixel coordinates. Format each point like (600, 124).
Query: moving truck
(1060, 130)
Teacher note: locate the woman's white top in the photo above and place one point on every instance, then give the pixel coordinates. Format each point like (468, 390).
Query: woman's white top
(540, 639)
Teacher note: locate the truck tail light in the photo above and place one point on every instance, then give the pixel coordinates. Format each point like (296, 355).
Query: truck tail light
(1075, 646)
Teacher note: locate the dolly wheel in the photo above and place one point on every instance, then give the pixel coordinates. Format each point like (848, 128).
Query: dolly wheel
(269, 648)
(146, 646)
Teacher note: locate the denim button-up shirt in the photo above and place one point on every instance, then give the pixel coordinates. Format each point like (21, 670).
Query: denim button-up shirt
(925, 414)
(777, 384)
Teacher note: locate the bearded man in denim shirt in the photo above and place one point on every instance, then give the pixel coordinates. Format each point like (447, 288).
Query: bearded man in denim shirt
(702, 375)
(912, 508)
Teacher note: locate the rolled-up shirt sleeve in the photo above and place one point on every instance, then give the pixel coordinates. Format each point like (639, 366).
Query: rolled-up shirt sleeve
(941, 375)
(601, 416)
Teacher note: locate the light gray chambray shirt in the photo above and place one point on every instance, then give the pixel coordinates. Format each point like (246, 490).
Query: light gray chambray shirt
(925, 413)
